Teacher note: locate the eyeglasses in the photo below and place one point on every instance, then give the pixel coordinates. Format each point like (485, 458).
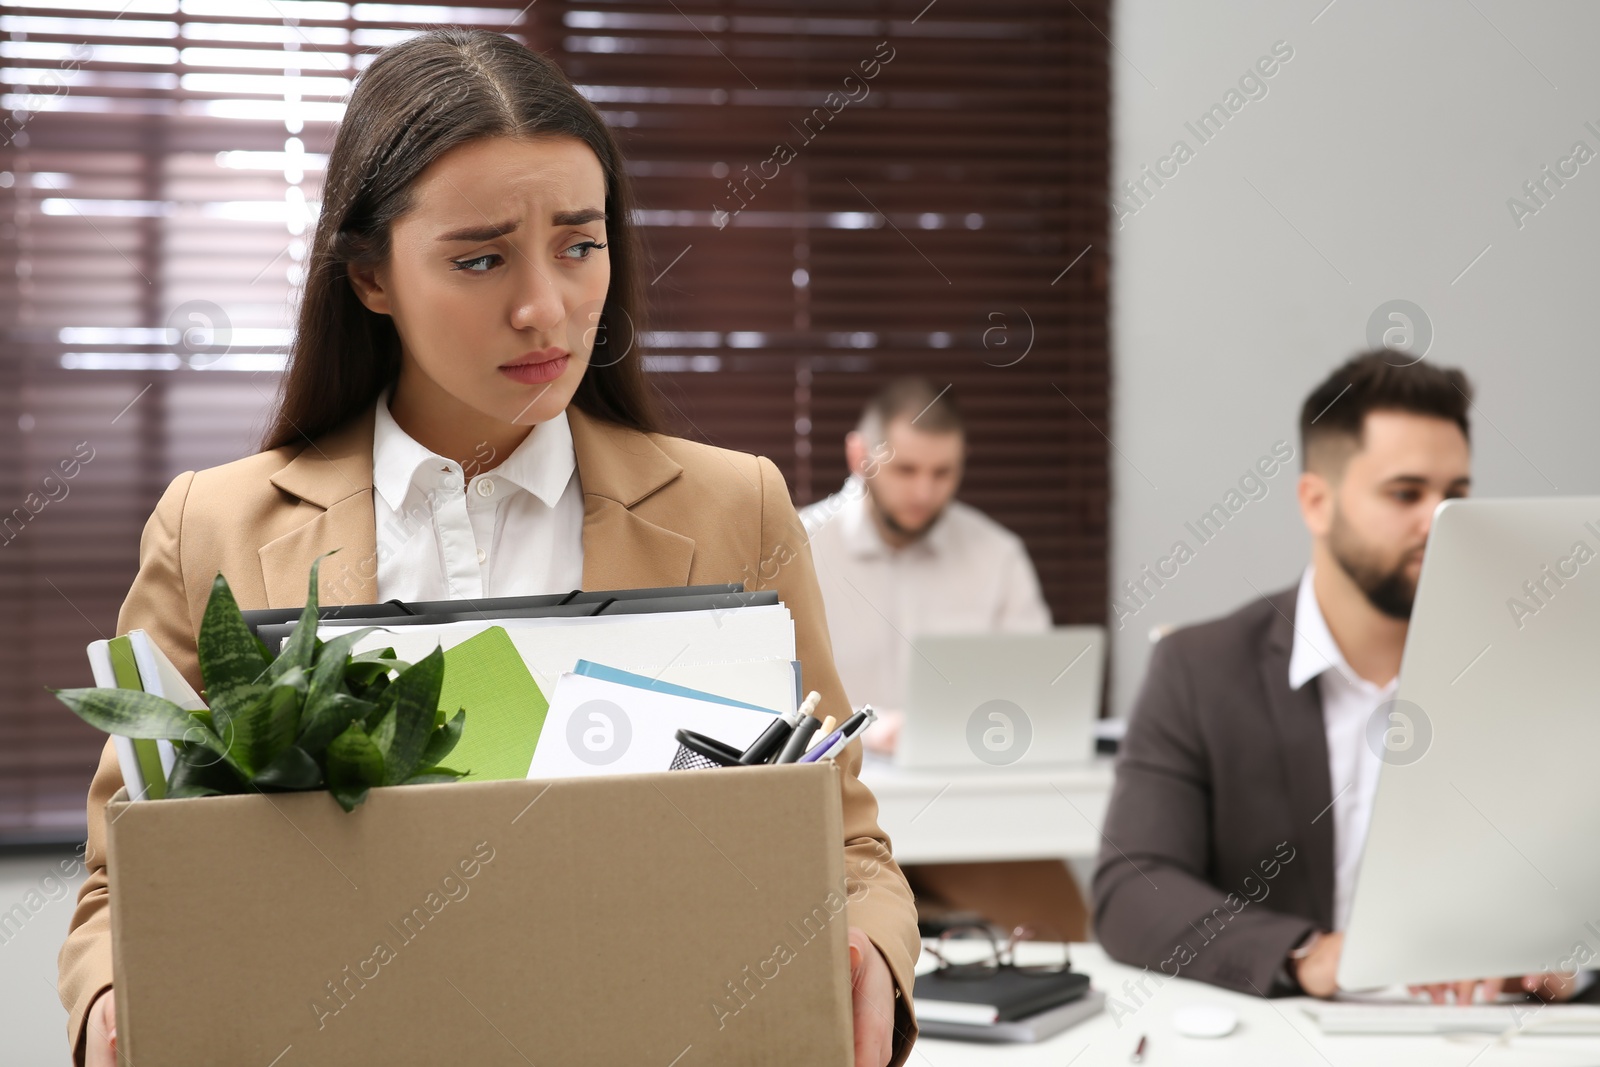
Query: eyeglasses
(961, 953)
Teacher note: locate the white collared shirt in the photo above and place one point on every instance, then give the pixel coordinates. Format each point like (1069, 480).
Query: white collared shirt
(448, 533)
(968, 574)
(1348, 702)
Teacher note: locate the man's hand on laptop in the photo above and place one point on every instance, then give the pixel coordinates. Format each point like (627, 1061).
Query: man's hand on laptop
(1553, 986)
(1318, 975)
(1318, 971)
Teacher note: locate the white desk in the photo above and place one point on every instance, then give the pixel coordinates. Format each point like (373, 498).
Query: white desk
(1272, 1033)
(1006, 813)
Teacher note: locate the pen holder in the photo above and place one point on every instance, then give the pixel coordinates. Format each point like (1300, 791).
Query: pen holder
(697, 752)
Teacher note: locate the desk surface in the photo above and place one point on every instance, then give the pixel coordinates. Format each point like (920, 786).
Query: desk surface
(888, 779)
(1272, 1033)
(1000, 813)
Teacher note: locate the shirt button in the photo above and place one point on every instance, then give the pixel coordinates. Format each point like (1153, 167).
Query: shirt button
(486, 487)
(482, 555)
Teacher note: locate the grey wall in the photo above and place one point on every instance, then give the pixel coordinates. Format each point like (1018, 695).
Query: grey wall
(36, 902)
(1377, 166)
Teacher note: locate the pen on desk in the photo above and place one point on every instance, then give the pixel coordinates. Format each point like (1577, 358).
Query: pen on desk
(770, 740)
(804, 731)
(1138, 1052)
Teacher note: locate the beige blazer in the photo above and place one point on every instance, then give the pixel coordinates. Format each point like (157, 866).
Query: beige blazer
(658, 511)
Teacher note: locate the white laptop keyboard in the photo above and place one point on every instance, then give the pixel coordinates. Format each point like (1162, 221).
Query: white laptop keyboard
(1372, 1018)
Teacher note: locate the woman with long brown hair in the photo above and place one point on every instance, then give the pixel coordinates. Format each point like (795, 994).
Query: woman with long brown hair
(465, 413)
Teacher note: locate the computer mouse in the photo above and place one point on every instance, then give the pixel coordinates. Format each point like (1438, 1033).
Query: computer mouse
(1204, 1020)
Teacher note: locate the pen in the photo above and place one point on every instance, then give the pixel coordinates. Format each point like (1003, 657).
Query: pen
(770, 739)
(804, 731)
(809, 705)
(833, 735)
(1138, 1053)
(853, 728)
(821, 748)
(827, 726)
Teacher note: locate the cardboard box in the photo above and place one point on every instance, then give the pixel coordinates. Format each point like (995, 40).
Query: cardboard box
(689, 918)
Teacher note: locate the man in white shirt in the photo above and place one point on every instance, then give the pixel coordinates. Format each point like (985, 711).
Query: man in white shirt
(1246, 780)
(897, 555)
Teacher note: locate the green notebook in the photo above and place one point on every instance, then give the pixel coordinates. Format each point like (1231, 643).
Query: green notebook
(126, 670)
(505, 710)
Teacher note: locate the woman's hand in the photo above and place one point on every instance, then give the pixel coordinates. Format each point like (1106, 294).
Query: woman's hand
(100, 1032)
(872, 1001)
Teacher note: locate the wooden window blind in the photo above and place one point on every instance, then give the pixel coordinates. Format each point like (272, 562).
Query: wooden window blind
(832, 194)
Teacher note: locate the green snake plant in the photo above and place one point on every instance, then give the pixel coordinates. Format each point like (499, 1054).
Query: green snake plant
(315, 716)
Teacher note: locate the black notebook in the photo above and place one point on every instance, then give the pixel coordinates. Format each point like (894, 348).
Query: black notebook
(1005, 996)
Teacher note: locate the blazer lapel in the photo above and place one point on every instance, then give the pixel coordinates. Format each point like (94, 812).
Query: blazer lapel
(618, 468)
(1303, 748)
(334, 473)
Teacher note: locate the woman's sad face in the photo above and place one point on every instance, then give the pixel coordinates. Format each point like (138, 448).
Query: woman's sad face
(495, 281)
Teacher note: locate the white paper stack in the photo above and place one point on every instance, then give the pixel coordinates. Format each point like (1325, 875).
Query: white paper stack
(620, 686)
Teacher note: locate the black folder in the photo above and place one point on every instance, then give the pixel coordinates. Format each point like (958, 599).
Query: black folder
(273, 625)
(1013, 994)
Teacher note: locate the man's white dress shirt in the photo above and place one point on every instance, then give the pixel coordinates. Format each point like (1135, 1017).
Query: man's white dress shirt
(968, 574)
(1348, 702)
(448, 533)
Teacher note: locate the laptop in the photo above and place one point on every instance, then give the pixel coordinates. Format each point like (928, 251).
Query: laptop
(1480, 858)
(991, 700)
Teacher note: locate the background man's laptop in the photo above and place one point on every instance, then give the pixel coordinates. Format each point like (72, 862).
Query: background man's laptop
(997, 700)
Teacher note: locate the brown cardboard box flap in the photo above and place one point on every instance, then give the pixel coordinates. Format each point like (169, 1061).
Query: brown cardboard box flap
(687, 918)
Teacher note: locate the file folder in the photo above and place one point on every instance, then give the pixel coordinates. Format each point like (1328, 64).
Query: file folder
(273, 625)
